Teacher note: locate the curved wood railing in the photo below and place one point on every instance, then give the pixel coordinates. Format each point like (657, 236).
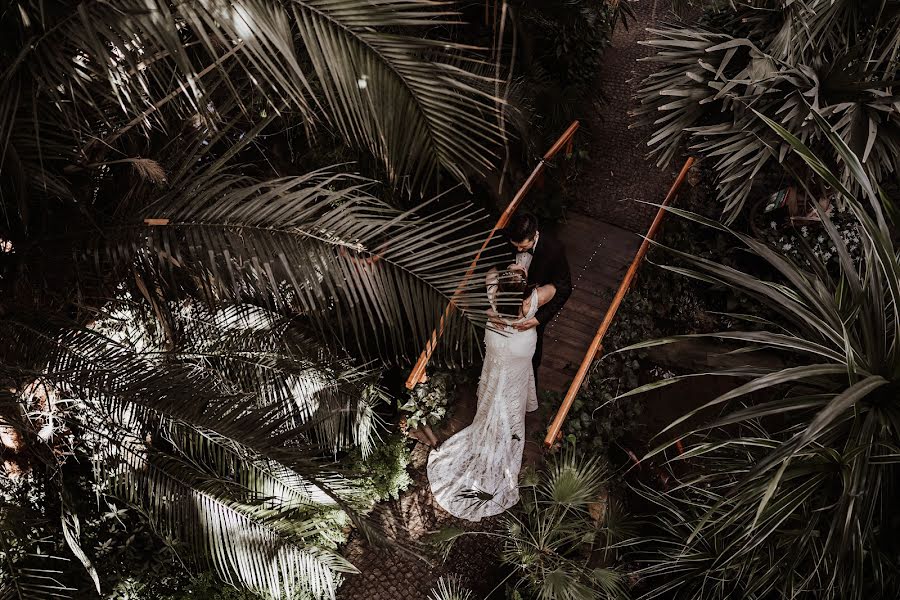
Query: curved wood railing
(417, 375)
(555, 429)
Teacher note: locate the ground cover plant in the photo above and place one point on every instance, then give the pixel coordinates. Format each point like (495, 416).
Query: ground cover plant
(565, 539)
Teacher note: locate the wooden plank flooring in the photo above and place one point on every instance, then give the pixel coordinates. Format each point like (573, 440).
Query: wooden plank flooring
(599, 255)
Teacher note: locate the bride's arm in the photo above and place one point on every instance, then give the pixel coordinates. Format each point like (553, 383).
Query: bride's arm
(545, 293)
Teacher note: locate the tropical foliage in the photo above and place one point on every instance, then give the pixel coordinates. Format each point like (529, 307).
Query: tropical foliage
(449, 588)
(809, 462)
(84, 79)
(191, 310)
(427, 403)
(228, 431)
(781, 59)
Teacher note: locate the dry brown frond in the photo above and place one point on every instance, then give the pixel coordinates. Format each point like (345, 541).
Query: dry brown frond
(149, 169)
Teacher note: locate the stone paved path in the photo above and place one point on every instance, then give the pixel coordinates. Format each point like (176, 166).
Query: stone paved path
(610, 190)
(619, 176)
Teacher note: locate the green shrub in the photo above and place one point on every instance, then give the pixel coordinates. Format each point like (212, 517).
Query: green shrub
(384, 471)
(428, 402)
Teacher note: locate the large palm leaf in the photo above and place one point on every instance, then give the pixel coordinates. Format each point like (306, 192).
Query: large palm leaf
(267, 543)
(361, 67)
(253, 353)
(321, 246)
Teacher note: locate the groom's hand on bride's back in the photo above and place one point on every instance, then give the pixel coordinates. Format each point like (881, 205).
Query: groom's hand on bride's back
(527, 324)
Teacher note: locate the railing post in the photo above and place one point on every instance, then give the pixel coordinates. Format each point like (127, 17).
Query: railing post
(555, 429)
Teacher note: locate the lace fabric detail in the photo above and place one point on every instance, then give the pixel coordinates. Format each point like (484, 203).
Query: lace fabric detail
(475, 474)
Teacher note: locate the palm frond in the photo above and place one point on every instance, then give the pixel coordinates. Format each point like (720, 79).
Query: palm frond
(320, 245)
(261, 353)
(415, 115)
(417, 104)
(249, 540)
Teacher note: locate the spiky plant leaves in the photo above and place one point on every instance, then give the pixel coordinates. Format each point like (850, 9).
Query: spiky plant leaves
(820, 472)
(550, 539)
(450, 588)
(714, 81)
(575, 483)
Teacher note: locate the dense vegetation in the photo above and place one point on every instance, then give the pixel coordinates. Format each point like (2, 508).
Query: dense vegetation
(192, 297)
(720, 75)
(225, 224)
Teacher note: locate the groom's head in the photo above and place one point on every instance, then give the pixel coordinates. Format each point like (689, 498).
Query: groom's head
(522, 231)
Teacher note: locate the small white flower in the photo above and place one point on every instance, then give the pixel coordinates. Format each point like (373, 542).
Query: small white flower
(773, 225)
(787, 247)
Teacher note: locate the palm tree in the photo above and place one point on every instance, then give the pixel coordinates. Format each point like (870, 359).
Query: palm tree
(774, 58)
(794, 496)
(198, 313)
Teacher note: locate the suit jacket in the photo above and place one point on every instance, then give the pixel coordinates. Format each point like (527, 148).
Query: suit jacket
(549, 265)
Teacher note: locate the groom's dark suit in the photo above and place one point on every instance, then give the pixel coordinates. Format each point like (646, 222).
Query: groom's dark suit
(548, 265)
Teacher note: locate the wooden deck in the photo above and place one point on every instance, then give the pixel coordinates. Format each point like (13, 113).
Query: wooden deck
(599, 254)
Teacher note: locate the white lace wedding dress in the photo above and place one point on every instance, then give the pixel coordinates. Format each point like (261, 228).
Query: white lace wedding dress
(475, 473)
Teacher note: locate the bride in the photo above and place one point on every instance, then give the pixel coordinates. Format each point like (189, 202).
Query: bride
(475, 473)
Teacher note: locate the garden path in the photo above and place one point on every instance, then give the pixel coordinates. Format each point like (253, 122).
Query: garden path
(601, 235)
(619, 178)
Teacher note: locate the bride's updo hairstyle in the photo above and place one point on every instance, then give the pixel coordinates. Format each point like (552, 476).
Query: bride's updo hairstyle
(511, 287)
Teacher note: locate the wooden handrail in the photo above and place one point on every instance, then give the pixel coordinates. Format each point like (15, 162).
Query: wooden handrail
(417, 375)
(553, 432)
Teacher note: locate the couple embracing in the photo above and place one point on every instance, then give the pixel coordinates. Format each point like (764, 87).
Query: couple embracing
(475, 473)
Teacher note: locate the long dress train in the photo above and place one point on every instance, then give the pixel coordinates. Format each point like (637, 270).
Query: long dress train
(475, 473)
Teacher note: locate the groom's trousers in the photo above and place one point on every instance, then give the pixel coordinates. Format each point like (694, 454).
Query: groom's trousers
(538, 352)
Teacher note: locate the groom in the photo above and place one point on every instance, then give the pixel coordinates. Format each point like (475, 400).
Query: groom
(544, 257)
